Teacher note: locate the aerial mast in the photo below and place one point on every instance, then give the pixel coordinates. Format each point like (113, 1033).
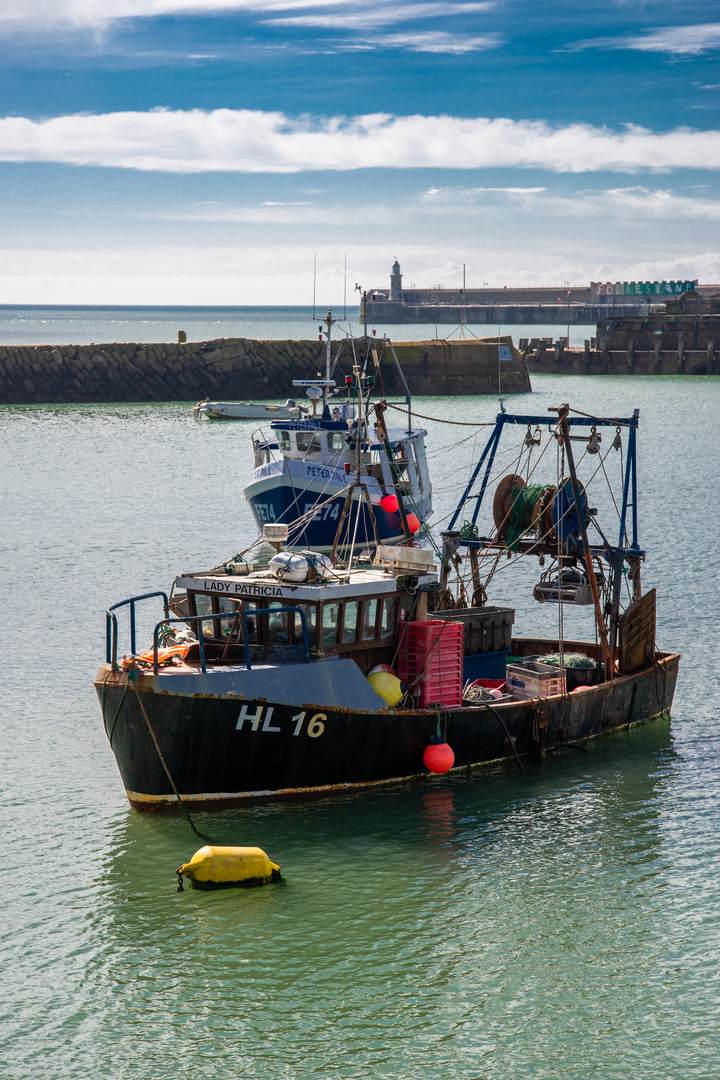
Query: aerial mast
(329, 321)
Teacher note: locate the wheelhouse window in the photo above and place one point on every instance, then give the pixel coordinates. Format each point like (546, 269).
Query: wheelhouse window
(330, 624)
(232, 623)
(308, 442)
(284, 441)
(295, 624)
(350, 622)
(389, 617)
(276, 631)
(335, 440)
(226, 617)
(202, 604)
(370, 610)
(251, 621)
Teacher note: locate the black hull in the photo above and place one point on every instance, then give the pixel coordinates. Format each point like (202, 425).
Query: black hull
(222, 751)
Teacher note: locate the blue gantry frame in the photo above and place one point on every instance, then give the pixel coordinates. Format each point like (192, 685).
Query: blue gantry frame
(614, 555)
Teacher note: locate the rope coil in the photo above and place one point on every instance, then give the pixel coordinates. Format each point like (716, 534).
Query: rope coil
(522, 514)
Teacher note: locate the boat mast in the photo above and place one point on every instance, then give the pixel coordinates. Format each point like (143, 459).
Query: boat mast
(380, 407)
(329, 321)
(314, 282)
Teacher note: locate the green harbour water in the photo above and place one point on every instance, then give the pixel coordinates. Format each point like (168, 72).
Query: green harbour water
(560, 924)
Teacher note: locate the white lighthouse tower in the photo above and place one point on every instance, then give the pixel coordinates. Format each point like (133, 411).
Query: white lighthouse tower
(396, 282)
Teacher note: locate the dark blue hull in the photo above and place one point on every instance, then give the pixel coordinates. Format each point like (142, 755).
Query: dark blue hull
(285, 504)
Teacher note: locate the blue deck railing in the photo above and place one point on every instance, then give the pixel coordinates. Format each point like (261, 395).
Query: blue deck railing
(111, 623)
(111, 629)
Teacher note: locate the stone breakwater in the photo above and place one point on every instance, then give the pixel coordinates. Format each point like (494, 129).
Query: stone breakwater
(231, 368)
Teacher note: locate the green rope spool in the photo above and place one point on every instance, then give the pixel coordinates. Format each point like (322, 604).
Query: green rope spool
(521, 514)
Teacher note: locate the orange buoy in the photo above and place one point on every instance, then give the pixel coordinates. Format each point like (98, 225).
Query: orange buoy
(438, 756)
(413, 522)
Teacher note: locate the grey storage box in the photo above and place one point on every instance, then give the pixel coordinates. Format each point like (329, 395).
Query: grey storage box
(487, 629)
(533, 679)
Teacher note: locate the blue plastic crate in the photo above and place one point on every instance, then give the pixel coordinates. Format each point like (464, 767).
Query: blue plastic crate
(489, 665)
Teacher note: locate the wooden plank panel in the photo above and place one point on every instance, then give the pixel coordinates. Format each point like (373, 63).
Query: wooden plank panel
(637, 634)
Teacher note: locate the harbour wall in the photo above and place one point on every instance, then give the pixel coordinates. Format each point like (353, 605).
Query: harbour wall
(677, 341)
(556, 359)
(524, 306)
(231, 368)
(569, 314)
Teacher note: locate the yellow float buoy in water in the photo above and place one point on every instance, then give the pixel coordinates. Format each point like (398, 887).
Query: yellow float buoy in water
(227, 867)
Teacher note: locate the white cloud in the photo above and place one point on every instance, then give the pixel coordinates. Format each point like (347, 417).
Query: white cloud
(454, 194)
(248, 141)
(439, 41)
(360, 22)
(677, 40)
(611, 204)
(268, 213)
(469, 205)
(39, 14)
(380, 15)
(643, 202)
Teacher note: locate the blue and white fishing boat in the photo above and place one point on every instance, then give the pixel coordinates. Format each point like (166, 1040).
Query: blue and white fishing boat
(341, 478)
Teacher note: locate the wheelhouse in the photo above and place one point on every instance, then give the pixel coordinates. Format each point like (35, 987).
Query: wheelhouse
(330, 443)
(358, 621)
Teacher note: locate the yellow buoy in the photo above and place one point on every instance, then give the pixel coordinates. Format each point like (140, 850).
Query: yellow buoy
(387, 686)
(227, 867)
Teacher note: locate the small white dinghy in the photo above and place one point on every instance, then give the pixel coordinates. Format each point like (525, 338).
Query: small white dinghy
(246, 410)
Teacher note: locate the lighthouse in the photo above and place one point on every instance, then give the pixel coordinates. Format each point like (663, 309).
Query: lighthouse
(396, 282)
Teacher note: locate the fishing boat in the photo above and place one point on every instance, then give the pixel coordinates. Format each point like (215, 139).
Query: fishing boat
(315, 674)
(245, 410)
(311, 472)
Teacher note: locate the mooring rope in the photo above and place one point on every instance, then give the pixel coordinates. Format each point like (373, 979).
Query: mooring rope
(132, 677)
(455, 423)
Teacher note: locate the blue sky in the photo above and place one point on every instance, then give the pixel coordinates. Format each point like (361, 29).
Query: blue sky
(202, 151)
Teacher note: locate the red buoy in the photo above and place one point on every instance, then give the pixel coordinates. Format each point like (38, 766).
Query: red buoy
(438, 757)
(413, 522)
(389, 504)
(383, 667)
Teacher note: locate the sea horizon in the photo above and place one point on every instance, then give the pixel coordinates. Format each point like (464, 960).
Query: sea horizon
(82, 324)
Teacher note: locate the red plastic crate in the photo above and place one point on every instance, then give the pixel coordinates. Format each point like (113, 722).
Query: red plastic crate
(490, 684)
(430, 660)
